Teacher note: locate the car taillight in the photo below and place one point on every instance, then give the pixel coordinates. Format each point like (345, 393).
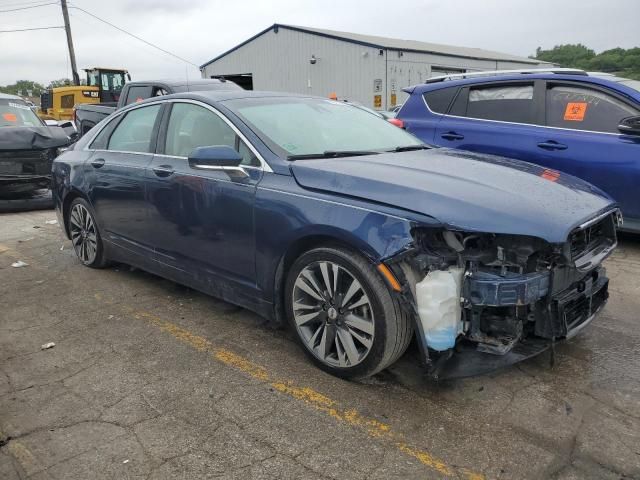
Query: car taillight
(75, 115)
(396, 121)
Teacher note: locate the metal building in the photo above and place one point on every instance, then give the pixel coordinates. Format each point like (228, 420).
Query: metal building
(368, 69)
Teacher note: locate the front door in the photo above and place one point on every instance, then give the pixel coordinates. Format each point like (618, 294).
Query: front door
(202, 219)
(123, 150)
(581, 137)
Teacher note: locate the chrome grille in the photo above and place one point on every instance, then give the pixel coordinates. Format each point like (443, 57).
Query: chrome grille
(587, 239)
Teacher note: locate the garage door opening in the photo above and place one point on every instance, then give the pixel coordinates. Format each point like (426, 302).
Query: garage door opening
(245, 80)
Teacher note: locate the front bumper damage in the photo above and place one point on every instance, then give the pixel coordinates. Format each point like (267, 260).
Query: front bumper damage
(25, 171)
(516, 296)
(565, 316)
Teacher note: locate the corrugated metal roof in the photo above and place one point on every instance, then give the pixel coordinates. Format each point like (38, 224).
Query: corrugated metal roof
(416, 46)
(394, 44)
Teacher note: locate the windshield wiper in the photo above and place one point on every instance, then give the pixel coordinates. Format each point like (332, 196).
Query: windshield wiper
(408, 148)
(333, 154)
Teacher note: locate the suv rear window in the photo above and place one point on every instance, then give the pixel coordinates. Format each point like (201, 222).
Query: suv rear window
(439, 100)
(506, 103)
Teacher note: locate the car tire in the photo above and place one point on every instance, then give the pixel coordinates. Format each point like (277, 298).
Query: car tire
(85, 236)
(351, 330)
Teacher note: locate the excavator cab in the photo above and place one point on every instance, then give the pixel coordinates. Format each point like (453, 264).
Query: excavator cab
(109, 81)
(103, 86)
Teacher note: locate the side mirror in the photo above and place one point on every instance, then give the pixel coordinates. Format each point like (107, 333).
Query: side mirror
(630, 125)
(217, 157)
(51, 123)
(70, 129)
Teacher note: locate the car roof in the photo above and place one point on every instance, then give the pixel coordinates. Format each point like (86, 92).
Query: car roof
(7, 96)
(583, 78)
(183, 82)
(214, 96)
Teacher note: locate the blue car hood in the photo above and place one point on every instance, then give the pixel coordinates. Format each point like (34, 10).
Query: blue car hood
(462, 190)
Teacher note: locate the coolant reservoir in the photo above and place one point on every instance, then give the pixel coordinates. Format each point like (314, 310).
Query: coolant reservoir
(438, 297)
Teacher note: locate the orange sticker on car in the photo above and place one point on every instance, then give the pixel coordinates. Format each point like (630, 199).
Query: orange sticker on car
(551, 175)
(575, 111)
(10, 117)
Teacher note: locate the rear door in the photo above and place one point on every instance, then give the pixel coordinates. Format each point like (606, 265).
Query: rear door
(422, 113)
(123, 150)
(581, 138)
(497, 118)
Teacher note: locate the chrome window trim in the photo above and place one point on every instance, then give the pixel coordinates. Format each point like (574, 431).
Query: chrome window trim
(120, 151)
(252, 167)
(424, 100)
(263, 163)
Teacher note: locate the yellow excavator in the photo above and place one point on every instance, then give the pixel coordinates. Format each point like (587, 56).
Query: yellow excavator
(103, 85)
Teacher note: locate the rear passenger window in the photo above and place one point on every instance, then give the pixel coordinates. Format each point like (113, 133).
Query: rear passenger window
(508, 103)
(134, 132)
(139, 93)
(585, 109)
(438, 101)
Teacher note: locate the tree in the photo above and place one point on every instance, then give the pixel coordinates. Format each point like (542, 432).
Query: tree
(21, 87)
(624, 63)
(63, 82)
(575, 56)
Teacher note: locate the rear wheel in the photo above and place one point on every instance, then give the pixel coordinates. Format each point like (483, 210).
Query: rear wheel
(344, 314)
(85, 236)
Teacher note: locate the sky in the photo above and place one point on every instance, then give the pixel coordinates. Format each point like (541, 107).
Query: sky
(199, 30)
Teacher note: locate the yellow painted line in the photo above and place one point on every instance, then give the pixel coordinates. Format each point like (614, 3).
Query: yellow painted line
(308, 395)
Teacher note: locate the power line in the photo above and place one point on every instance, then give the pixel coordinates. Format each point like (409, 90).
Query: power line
(28, 29)
(13, 4)
(27, 8)
(134, 36)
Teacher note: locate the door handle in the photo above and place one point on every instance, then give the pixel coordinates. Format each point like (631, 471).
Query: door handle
(552, 145)
(163, 170)
(98, 162)
(452, 136)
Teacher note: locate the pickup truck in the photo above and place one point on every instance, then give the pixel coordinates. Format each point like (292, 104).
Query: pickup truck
(86, 116)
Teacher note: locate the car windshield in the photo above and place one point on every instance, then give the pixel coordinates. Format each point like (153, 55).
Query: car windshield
(16, 113)
(292, 127)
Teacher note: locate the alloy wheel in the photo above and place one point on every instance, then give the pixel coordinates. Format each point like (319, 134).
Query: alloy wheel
(83, 234)
(333, 314)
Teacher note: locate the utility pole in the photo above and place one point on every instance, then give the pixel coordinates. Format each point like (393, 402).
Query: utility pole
(72, 53)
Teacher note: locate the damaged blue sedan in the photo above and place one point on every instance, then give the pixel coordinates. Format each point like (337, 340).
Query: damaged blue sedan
(320, 214)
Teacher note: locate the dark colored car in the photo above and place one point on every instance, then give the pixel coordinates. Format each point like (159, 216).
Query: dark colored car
(318, 212)
(87, 115)
(587, 125)
(27, 147)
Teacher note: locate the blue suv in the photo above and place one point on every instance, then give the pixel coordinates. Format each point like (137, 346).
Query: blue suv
(587, 125)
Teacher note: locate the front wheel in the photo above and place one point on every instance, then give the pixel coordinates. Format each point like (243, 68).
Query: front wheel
(85, 236)
(344, 315)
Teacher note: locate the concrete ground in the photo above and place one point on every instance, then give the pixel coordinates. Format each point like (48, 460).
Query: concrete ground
(150, 380)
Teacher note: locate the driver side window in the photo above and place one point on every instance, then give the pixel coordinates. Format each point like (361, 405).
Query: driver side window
(191, 126)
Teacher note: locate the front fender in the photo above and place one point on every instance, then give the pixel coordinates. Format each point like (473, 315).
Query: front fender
(286, 215)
